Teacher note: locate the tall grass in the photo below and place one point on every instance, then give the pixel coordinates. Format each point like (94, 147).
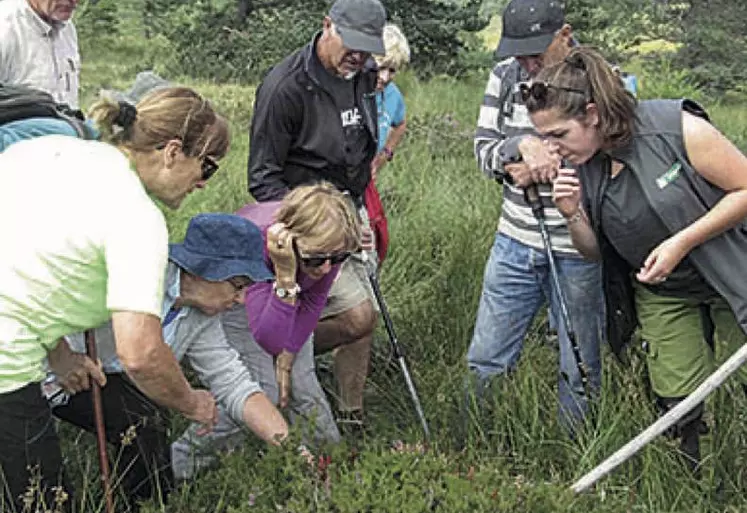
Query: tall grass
(443, 216)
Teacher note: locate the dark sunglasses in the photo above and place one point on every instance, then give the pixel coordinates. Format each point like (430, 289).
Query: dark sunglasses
(209, 165)
(318, 259)
(239, 283)
(538, 91)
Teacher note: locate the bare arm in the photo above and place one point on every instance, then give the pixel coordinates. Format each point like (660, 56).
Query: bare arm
(583, 237)
(721, 163)
(396, 133)
(151, 365)
(715, 158)
(566, 194)
(264, 420)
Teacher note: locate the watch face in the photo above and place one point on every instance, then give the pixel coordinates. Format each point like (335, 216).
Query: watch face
(281, 292)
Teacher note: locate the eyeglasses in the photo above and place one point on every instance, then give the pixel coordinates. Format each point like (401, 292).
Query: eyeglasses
(209, 167)
(538, 91)
(239, 283)
(318, 259)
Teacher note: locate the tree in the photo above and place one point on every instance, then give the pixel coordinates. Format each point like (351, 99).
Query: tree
(243, 38)
(714, 45)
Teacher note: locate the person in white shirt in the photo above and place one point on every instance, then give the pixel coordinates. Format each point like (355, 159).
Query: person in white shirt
(39, 47)
(82, 241)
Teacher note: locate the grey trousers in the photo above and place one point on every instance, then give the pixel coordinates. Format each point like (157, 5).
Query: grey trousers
(308, 405)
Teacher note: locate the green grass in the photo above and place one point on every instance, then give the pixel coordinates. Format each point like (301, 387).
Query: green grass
(443, 215)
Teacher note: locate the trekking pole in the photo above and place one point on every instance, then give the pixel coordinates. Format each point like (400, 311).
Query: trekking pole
(396, 348)
(672, 416)
(532, 197)
(98, 412)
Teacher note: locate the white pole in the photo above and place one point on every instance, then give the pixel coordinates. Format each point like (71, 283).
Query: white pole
(709, 385)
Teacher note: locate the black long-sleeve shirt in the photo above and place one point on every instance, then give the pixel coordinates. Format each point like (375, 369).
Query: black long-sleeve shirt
(308, 126)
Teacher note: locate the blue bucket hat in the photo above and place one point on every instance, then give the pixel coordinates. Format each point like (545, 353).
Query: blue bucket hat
(218, 247)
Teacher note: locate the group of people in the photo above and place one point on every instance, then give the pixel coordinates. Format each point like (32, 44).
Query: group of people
(644, 203)
(247, 298)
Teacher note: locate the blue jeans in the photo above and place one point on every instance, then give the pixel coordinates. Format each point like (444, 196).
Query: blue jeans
(517, 282)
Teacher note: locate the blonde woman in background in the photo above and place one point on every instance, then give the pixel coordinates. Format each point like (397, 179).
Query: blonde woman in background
(389, 100)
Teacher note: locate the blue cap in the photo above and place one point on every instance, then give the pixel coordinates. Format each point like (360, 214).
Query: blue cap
(218, 247)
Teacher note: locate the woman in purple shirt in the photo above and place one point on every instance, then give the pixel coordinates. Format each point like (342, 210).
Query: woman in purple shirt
(307, 237)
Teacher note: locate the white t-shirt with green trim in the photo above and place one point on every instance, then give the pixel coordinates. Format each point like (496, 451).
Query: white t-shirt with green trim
(79, 238)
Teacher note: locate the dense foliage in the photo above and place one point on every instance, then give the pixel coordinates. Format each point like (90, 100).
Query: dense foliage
(239, 41)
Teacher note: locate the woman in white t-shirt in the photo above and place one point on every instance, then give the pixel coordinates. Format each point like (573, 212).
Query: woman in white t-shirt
(82, 241)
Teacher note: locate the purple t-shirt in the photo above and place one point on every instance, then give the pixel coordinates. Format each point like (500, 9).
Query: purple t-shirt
(274, 324)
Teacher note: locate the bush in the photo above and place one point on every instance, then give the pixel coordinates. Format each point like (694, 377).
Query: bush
(714, 44)
(661, 78)
(210, 40)
(97, 20)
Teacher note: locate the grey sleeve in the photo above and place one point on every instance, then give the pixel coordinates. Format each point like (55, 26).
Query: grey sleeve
(220, 368)
(493, 148)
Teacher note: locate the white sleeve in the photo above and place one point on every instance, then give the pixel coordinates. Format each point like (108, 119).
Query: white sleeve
(136, 253)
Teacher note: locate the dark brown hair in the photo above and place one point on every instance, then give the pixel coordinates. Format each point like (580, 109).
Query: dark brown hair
(584, 69)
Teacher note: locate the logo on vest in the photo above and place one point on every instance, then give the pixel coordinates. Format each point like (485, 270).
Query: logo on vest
(670, 176)
(350, 117)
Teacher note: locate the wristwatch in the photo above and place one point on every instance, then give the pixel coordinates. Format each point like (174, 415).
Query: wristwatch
(283, 292)
(388, 152)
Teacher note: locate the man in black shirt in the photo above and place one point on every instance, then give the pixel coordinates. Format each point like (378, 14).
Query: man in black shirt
(315, 119)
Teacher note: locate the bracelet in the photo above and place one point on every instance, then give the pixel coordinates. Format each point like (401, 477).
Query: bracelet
(574, 218)
(388, 152)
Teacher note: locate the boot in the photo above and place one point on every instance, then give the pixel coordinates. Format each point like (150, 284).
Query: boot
(690, 446)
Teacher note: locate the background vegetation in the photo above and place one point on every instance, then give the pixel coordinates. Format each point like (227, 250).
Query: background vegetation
(442, 219)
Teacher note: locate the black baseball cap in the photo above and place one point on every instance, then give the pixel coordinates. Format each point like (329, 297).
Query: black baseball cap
(529, 27)
(360, 24)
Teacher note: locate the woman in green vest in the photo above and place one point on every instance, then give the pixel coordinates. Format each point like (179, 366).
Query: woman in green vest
(659, 195)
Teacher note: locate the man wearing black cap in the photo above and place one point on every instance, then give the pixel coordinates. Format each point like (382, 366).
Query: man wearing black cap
(517, 280)
(315, 119)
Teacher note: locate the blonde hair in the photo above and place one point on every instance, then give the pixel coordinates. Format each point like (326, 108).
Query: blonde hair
(321, 215)
(585, 69)
(397, 49)
(162, 115)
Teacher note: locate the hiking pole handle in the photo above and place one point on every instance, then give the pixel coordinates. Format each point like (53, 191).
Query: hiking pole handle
(532, 197)
(98, 413)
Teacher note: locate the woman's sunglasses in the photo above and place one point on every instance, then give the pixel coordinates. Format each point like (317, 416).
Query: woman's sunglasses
(209, 167)
(538, 91)
(318, 259)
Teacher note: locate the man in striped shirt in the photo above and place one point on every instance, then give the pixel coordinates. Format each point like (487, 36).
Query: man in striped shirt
(517, 278)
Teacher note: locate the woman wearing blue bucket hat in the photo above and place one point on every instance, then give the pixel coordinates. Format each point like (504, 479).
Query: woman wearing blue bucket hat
(208, 273)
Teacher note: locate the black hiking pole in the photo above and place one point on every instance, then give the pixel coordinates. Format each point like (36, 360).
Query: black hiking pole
(396, 348)
(531, 194)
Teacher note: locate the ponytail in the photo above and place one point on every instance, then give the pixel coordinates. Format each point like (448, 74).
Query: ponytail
(586, 70)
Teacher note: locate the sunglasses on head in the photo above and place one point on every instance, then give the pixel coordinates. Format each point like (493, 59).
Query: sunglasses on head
(538, 91)
(318, 259)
